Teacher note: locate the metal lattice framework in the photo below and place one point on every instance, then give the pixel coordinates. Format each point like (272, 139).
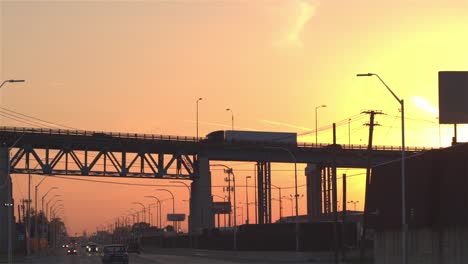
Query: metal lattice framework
(67, 161)
(97, 153)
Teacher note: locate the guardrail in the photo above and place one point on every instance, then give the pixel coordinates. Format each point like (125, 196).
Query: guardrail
(97, 134)
(103, 134)
(363, 147)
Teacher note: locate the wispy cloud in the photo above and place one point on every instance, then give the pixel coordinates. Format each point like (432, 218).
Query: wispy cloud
(285, 125)
(425, 105)
(306, 12)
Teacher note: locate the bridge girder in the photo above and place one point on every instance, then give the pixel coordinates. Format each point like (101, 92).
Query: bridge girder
(67, 161)
(158, 156)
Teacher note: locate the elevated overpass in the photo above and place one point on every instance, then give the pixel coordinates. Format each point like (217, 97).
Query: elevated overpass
(110, 154)
(77, 152)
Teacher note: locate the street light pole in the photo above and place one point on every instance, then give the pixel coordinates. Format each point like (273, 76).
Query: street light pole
(52, 207)
(354, 203)
(36, 188)
(403, 176)
(11, 81)
(247, 197)
(242, 213)
(44, 196)
(296, 195)
(199, 99)
(44, 216)
(232, 118)
(9, 202)
(47, 204)
(173, 204)
(316, 122)
(231, 171)
(292, 205)
(159, 205)
(190, 214)
(349, 132)
(54, 212)
(280, 202)
(144, 210)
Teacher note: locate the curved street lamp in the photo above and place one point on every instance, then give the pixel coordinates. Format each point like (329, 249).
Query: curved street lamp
(11, 81)
(47, 204)
(279, 200)
(144, 210)
(199, 99)
(247, 198)
(232, 117)
(44, 196)
(173, 203)
(9, 202)
(403, 176)
(189, 215)
(159, 205)
(52, 207)
(316, 132)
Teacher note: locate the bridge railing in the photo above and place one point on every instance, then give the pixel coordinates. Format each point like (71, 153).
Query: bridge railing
(363, 147)
(103, 134)
(97, 134)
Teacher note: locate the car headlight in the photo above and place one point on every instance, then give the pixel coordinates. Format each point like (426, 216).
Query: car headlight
(74, 250)
(97, 249)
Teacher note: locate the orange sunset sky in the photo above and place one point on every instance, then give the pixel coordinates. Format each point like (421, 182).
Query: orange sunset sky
(140, 66)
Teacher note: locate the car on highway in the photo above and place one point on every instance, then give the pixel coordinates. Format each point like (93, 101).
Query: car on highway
(133, 247)
(72, 251)
(92, 248)
(115, 253)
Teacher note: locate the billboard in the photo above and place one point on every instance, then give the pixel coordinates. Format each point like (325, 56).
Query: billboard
(175, 217)
(453, 97)
(222, 207)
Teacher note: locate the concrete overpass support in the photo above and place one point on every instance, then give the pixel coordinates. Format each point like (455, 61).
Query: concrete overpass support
(314, 191)
(5, 183)
(201, 205)
(264, 192)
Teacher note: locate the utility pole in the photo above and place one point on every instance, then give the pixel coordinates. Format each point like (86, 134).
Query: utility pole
(343, 230)
(228, 180)
(335, 198)
(371, 125)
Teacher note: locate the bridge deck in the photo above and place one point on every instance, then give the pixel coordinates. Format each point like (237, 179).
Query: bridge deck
(77, 152)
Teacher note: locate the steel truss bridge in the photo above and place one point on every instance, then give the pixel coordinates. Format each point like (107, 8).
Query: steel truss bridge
(109, 154)
(93, 153)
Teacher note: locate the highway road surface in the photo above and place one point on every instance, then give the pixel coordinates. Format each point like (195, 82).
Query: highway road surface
(62, 258)
(183, 257)
(134, 259)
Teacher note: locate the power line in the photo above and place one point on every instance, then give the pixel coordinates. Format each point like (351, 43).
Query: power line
(35, 119)
(144, 185)
(21, 121)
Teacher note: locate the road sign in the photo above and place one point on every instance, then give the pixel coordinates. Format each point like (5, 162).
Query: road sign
(453, 94)
(175, 217)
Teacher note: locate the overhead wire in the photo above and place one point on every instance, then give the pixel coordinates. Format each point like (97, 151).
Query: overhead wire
(34, 119)
(21, 121)
(146, 185)
(345, 121)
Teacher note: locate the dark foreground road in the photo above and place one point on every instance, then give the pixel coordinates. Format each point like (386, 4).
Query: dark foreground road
(134, 259)
(185, 256)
